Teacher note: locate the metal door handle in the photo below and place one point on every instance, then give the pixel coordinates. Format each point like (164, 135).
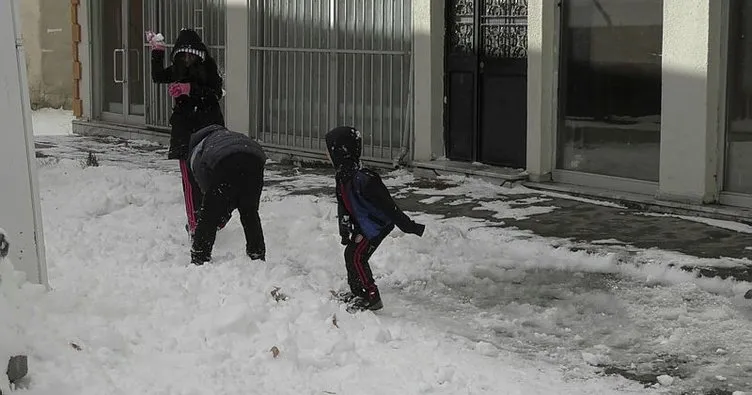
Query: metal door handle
(138, 64)
(114, 65)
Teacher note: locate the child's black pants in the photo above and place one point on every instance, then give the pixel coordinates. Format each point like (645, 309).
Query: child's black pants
(237, 184)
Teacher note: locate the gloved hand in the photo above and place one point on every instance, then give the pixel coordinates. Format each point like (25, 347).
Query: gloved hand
(155, 40)
(177, 89)
(345, 240)
(417, 229)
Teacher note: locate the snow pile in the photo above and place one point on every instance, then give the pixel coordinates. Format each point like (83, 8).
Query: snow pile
(470, 308)
(52, 122)
(16, 301)
(129, 315)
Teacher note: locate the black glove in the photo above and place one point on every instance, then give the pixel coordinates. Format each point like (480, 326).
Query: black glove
(345, 240)
(417, 229)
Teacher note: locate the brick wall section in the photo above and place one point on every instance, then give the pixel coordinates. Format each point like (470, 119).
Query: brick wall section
(76, 38)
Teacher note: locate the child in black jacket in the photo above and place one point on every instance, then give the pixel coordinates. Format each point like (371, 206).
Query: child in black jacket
(229, 167)
(195, 84)
(367, 214)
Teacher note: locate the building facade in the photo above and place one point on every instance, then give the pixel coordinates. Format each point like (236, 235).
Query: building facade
(46, 32)
(645, 96)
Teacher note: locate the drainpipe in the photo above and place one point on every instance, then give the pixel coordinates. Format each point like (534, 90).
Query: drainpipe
(405, 149)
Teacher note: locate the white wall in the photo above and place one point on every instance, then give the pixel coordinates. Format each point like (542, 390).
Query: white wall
(237, 70)
(20, 213)
(543, 27)
(428, 58)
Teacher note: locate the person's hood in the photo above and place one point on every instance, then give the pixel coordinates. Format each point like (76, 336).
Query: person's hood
(344, 145)
(189, 41)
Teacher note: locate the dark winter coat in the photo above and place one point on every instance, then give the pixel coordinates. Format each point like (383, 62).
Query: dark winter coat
(211, 145)
(364, 205)
(201, 107)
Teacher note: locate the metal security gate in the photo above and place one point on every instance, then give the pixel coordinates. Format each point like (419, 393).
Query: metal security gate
(317, 64)
(207, 17)
(486, 81)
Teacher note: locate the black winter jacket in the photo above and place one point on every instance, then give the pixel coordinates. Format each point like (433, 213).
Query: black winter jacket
(201, 107)
(211, 145)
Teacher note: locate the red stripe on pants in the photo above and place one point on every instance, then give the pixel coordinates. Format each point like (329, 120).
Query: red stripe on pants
(358, 263)
(188, 194)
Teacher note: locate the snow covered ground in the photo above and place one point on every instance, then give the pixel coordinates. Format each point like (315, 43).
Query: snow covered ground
(52, 122)
(471, 308)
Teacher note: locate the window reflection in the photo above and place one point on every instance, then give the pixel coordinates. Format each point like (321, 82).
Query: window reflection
(738, 176)
(610, 103)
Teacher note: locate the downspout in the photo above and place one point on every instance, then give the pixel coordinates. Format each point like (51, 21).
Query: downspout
(408, 120)
(76, 38)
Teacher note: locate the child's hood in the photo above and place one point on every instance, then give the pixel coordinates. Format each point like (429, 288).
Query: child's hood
(189, 41)
(344, 145)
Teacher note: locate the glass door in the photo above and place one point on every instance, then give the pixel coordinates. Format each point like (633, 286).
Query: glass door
(122, 61)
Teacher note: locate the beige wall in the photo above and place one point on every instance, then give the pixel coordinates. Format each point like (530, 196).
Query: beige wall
(46, 31)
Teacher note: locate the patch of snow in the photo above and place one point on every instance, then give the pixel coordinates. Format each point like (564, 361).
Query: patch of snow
(52, 122)
(504, 209)
(665, 380)
(17, 298)
(462, 201)
(432, 200)
(398, 178)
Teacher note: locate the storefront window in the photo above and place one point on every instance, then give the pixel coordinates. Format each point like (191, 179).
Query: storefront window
(738, 176)
(610, 90)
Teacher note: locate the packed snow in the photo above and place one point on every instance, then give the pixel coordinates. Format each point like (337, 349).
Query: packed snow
(470, 308)
(52, 122)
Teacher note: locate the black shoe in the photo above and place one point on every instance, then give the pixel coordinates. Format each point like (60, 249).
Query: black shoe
(256, 255)
(372, 302)
(343, 296)
(199, 259)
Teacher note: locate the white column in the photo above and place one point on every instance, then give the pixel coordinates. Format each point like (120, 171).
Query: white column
(428, 58)
(692, 89)
(20, 213)
(542, 75)
(237, 70)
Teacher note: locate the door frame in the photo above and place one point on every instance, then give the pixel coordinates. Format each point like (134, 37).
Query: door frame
(449, 24)
(476, 132)
(99, 58)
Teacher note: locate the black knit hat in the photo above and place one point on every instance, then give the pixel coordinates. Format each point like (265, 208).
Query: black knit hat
(189, 42)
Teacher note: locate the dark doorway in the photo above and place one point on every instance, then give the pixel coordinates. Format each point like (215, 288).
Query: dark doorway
(486, 81)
